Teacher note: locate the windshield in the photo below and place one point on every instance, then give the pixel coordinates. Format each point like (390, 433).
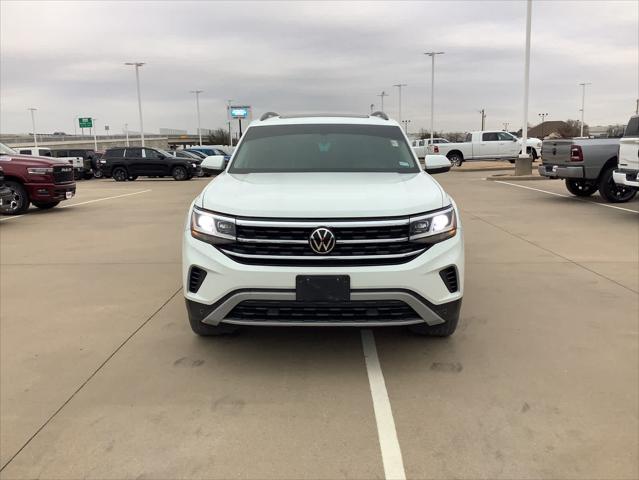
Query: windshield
(324, 148)
(4, 150)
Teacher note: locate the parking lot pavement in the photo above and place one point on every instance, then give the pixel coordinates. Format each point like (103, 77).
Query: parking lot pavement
(102, 378)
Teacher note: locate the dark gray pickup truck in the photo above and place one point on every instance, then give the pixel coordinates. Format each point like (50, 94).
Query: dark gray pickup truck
(586, 165)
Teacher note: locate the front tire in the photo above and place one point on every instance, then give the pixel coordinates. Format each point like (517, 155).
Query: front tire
(456, 159)
(20, 201)
(612, 192)
(179, 173)
(120, 174)
(98, 174)
(205, 330)
(442, 330)
(581, 188)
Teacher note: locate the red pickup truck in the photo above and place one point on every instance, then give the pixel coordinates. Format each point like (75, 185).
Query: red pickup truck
(43, 181)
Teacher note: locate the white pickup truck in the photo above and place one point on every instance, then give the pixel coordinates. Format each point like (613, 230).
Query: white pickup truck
(627, 172)
(77, 162)
(486, 145)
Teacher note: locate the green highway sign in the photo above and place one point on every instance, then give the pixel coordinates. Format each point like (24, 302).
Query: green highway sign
(86, 122)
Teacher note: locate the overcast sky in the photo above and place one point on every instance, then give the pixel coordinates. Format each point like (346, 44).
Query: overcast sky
(66, 59)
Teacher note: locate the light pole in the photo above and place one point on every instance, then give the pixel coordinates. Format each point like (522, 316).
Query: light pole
(137, 66)
(432, 92)
(228, 116)
(543, 120)
(35, 137)
(483, 118)
(399, 87)
(523, 165)
(406, 122)
(382, 95)
(197, 103)
(583, 100)
(506, 126)
(126, 132)
(95, 135)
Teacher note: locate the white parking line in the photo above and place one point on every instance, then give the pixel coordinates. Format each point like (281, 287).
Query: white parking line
(566, 196)
(388, 443)
(84, 203)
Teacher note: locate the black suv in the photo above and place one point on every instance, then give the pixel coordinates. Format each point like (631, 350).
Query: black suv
(132, 162)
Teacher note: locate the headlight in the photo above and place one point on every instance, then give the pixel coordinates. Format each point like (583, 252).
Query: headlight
(433, 227)
(102, 161)
(211, 227)
(39, 170)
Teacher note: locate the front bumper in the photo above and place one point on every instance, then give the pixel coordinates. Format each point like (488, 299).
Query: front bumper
(558, 171)
(43, 192)
(417, 283)
(626, 177)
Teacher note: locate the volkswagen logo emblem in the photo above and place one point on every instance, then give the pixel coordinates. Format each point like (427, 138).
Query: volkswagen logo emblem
(322, 240)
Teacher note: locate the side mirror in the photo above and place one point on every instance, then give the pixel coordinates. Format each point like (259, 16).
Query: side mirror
(213, 164)
(436, 164)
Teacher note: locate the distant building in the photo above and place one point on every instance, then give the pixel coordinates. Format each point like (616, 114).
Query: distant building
(546, 128)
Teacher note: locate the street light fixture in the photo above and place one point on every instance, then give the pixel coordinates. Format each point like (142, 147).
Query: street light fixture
(399, 87)
(197, 103)
(583, 100)
(35, 137)
(137, 66)
(432, 92)
(382, 95)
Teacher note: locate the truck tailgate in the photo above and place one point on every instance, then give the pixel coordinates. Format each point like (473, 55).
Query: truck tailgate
(556, 152)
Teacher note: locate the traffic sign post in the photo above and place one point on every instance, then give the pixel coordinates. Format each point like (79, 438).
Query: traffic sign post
(85, 122)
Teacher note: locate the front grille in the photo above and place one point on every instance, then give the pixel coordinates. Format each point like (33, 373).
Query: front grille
(357, 242)
(449, 276)
(294, 311)
(196, 277)
(62, 174)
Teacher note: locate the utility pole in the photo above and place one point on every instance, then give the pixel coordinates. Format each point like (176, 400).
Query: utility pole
(399, 87)
(382, 95)
(137, 66)
(483, 118)
(126, 132)
(75, 130)
(583, 101)
(506, 126)
(197, 103)
(543, 120)
(523, 164)
(228, 117)
(432, 93)
(95, 135)
(35, 137)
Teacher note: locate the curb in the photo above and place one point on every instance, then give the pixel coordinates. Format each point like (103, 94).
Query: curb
(480, 169)
(515, 177)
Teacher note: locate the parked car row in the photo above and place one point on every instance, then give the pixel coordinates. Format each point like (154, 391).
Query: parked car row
(43, 181)
(586, 165)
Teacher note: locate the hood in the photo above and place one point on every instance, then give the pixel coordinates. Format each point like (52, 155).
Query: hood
(322, 195)
(29, 160)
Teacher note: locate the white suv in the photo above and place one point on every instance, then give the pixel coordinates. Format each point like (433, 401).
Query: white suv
(324, 221)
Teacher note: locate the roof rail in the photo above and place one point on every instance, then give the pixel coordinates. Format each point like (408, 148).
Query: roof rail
(268, 115)
(380, 114)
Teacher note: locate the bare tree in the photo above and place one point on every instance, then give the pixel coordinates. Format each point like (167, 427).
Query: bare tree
(572, 129)
(219, 136)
